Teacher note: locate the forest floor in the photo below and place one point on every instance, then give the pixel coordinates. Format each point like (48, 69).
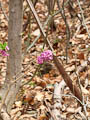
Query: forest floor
(35, 98)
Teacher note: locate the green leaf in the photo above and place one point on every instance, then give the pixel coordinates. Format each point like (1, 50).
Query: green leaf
(42, 49)
(1, 46)
(29, 36)
(4, 45)
(32, 84)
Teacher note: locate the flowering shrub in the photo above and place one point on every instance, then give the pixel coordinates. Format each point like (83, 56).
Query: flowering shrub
(45, 56)
(3, 49)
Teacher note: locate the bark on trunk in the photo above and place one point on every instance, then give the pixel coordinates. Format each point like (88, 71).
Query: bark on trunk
(14, 43)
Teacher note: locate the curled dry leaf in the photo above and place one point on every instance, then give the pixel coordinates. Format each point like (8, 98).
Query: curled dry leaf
(29, 96)
(39, 96)
(18, 103)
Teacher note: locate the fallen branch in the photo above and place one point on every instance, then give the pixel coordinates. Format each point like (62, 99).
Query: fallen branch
(74, 89)
(57, 99)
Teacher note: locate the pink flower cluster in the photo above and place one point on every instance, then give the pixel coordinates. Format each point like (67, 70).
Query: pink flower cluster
(3, 52)
(45, 56)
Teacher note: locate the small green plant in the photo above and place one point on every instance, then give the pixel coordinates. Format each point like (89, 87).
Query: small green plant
(56, 41)
(32, 84)
(3, 49)
(3, 46)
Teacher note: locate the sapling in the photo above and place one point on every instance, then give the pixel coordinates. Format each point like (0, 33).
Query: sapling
(3, 49)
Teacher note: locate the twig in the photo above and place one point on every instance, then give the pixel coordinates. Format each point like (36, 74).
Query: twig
(52, 115)
(48, 19)
(39, 24)
(33, 43)
(78, 29)
(67, 27)
(31, 77)
(84, 107)
(72, 11)
(83, 19)
(73, 97)
(4, 12)
(51, 4)
(29, 16)
(77, 74)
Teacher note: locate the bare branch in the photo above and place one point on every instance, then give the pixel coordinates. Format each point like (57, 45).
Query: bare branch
(83, 19)
(67, 27)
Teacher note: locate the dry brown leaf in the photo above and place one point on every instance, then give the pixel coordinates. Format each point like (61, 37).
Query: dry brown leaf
(46, 75)
(85, 91)
(29, 96)
(48, 96)
(39, 96)
(38, 88)
(70, 54)
(81, 56)
(26, 117)
(43, 84)
(18, 103)
(71, 68)
(80, 36)
(43, 117)
(36, 32)
(71, 110)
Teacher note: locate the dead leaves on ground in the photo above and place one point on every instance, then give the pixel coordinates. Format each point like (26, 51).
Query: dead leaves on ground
(31, 104)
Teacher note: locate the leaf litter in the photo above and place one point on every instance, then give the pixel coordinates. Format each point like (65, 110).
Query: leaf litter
(30, 102)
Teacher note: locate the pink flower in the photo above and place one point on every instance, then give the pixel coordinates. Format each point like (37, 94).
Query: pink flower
(4, 53)
(7, 48)
(45, 56)
(40, 60)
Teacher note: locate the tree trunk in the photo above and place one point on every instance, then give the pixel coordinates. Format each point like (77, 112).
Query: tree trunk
(14, 42)
(50, 5)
